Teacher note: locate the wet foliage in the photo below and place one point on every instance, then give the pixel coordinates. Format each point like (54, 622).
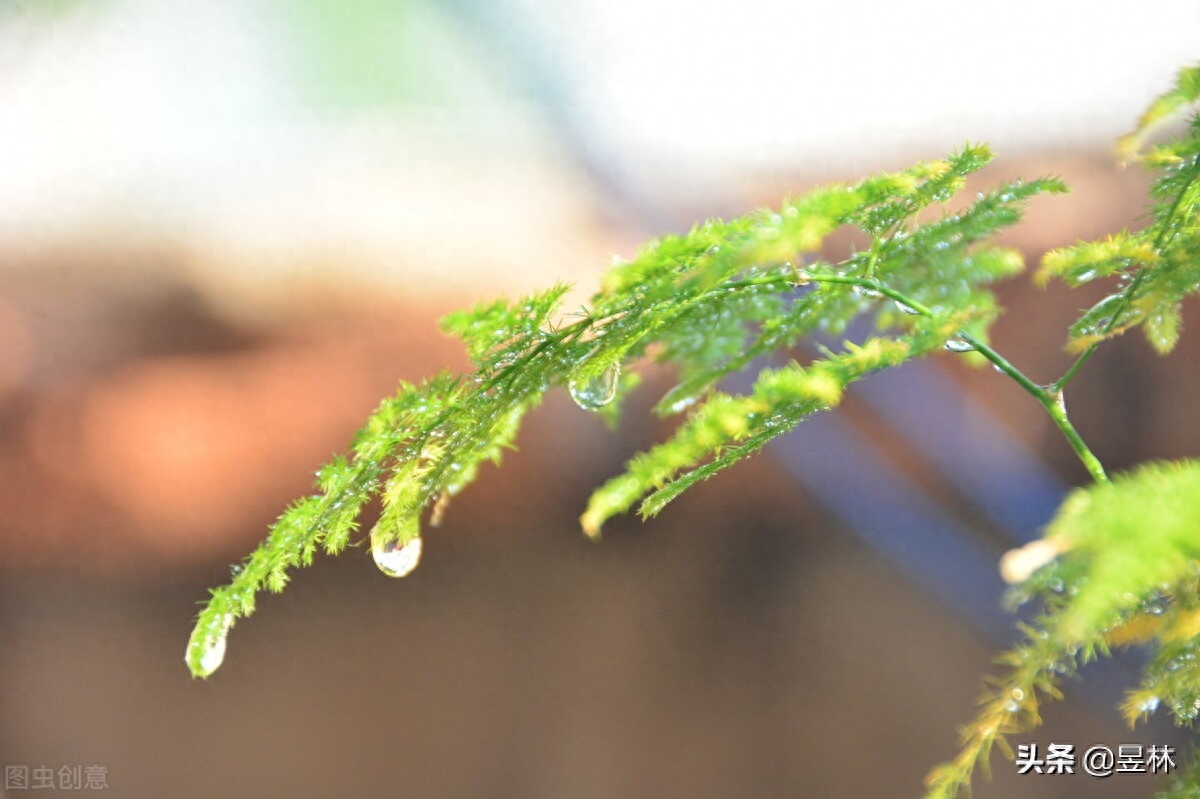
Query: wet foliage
(1117, 567)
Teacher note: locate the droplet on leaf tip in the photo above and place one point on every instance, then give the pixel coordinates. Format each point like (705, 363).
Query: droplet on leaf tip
(213, 657)
(213, 654)
(396, 559)
(596, 392)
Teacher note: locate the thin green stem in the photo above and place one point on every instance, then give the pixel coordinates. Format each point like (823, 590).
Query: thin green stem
(882, 241)
(1069, 375)
(1038, 392)
(1050, 398)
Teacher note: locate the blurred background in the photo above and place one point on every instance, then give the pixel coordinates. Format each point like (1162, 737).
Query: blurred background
(228, 228)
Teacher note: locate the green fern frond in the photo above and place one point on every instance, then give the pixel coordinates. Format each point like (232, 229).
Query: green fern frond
(328, 518)
(1119, 564)
(709, 302)
(1092, 260)
(1167, 107)
(1157, 267)
(1128, 538)
(492, 331)
(1034, 669)
(1127, 573)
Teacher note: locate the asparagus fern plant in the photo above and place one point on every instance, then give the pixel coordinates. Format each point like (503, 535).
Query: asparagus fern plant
(1118, 566)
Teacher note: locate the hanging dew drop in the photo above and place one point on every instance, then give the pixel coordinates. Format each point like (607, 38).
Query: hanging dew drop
(957, 344)
(906, 308)
(867, 293)
(396, 559)
(1148, 705)
(212, 654)
(213, 657)
(596, 392)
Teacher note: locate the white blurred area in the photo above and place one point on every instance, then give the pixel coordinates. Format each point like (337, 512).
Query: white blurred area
(419, 145)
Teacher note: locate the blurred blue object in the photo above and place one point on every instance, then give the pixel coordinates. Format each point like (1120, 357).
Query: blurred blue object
(893, 515)
(982, 460)
(947, 556)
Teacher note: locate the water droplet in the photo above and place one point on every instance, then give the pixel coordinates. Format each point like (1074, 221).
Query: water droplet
(236, 569)
(214, 655)
(1018, 694)
(906, 308)
(396, 559)
(1096, 322)
(958, 345)
(683, 403)
(867, 293)
(1011, 706)
(598, 391)
(1148, 704)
